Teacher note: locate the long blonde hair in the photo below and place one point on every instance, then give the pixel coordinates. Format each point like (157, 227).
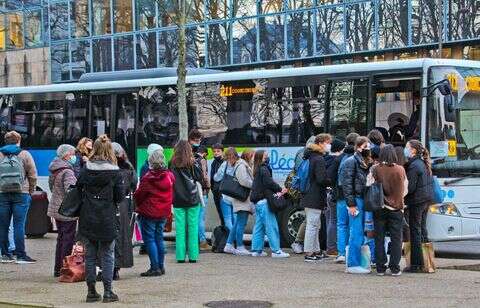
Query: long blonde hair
(103, 150)
(82, 146)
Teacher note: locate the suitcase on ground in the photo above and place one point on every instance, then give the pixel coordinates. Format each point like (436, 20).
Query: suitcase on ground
(38, 223)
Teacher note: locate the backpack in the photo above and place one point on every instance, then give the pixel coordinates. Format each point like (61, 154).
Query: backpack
(12, 175)
(219, 239)
(300, 180)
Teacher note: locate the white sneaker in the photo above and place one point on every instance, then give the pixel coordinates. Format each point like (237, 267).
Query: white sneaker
(242, 251)
(229, 249)
(340, 259)
(280, 254)
(259, 254)
(297, 248)
(357, 270)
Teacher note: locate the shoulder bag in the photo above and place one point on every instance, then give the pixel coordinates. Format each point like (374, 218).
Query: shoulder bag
(72, 202)
(374, 198)
(232, 188)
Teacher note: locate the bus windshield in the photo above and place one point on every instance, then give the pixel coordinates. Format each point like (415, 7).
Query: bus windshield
(455, 141)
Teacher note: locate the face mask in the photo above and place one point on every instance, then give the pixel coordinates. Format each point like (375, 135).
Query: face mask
(218, 158)
(267, 161)
(328, 148)
(195, 147)
(407, 153)
(366, 153)
(72, 160)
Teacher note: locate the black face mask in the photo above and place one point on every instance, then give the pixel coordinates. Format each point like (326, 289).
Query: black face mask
(366, 153)
(219, 158)
(267, 161)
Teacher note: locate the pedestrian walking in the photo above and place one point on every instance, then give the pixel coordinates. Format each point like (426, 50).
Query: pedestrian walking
(62, 176)
(418, 200)
(265, 220)
(353, 178)
(102, 189)
(154, 198)
(18, 180)
(389, 219)
(218, 160)
(83, 152)
(315, 199)
(186, 201)
(242, 171)
(343, 231)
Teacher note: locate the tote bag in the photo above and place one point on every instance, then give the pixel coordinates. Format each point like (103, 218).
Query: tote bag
(72, 203)
(232, 188)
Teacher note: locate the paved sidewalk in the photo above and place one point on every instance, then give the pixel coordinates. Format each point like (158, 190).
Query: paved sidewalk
(284, 282)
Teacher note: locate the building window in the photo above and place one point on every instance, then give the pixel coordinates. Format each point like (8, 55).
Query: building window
(300, 34)
(60, 62)
(195, 46)
(424, 21)
(168, 48)
(244, 41)
(79, 18)
(146, 50)
(80, 58)
(58, 21)
(145, 14)
(33, 28)
(360, 19)
(219, 44)
(102, 55)
(123, 48)
(330, 39)
(271, 37)
(15, 30)
(464, 20)
(122, 15)
(101, 17)
(393, 24)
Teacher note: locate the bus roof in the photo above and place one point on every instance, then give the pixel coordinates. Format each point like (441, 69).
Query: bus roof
(325, 70)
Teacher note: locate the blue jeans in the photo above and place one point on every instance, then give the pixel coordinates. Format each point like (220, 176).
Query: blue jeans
(356, 235)
(265, 223)
(201, 220)
(11, 239)
(238, 229)
(342, 227)
(103, 253)
(13, 205)
(152, 234)
(229, 216)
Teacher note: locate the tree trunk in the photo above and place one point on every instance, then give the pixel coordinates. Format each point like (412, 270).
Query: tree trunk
(182, 73)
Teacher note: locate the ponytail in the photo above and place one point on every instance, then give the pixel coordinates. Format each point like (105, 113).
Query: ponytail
(423, 153)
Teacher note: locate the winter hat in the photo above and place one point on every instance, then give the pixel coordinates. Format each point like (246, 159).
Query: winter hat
(152, 147)
(337, 145)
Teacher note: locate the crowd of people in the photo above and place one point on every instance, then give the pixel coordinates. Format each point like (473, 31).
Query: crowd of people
(337, 176)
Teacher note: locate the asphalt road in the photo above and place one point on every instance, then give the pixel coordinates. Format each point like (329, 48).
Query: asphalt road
(283, 282)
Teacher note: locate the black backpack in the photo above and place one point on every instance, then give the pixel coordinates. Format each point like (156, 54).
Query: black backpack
(219, 239)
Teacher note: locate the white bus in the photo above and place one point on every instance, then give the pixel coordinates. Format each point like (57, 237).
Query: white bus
(276, 109)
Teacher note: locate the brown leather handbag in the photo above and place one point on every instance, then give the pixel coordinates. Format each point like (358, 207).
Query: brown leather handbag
(73, 269)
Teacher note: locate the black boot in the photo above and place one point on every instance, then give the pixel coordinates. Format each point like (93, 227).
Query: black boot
(92, 295)
(108, 295)
(116, 274)
(99, 276)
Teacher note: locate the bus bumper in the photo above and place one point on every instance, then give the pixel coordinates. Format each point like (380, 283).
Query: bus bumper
(443, 228)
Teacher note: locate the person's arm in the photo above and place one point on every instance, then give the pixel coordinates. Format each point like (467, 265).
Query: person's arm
(268, 181)
(412, 176)
(332, 171)
(206, 179)
(141, 193)
(347, 174)
(69, 179)
(320, 170)
(30, 172)
(243, 176)
(218, 177)
(197, 173)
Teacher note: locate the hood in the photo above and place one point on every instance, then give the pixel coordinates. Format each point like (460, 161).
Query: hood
(99, 165)
(11, 149)
(57, 164)
(159, 178)
(313, 148)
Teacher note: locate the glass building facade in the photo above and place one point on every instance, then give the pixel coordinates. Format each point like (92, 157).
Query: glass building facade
(115, 35)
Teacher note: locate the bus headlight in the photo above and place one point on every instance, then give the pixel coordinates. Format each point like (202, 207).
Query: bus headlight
(448, 209)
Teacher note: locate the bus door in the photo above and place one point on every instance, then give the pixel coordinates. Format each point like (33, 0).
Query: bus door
(397, 110)
(124, 123)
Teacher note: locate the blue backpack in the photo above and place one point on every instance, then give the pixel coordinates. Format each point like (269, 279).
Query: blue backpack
(300, 180)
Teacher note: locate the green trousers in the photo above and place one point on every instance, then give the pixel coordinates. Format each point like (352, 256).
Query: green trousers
(186, 225)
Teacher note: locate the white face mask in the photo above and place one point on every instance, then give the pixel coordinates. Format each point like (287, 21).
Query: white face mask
(328, 148)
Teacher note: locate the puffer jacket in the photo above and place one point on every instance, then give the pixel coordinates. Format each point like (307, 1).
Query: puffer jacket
(185, 189)
(316, 196)
(102, 189)
(244, 175)
(354, 178)
(263, 181)
(154, 196)
(420, 185)
(62, 176)
(333, 171)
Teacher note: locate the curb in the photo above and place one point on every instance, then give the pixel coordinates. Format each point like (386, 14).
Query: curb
(4, 304)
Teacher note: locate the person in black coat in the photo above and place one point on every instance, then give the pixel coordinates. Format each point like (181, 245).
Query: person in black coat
(418, 199)
(353, 179)
(218, 160)
(102, 190)
(315, 199)
(265, 187)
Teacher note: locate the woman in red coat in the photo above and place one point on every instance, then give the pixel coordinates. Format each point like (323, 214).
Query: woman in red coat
(154, 198)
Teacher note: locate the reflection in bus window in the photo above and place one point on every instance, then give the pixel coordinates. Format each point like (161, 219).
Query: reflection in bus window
(77, 120)
(101, 115)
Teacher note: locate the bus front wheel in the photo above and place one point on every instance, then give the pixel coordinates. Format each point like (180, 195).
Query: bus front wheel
(290, 220)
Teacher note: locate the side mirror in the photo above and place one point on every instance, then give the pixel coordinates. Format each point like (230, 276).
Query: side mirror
(449, 108)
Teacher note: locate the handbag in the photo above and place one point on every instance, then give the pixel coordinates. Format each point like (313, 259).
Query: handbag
(72, 202)
(73, 269)
(438, 196)
(232, 188)
(276, 203)
(374, 197)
